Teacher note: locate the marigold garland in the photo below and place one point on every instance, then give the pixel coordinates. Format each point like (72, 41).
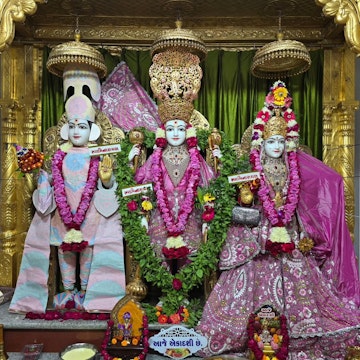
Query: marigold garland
(206, 257)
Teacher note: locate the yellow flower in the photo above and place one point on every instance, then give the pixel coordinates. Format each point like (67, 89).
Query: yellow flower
(280, 95)
(146, 205)
(305, 245)
(208, 197)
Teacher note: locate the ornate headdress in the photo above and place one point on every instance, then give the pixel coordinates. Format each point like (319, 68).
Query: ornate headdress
(276, 118)
(175, 72)
(79, 64)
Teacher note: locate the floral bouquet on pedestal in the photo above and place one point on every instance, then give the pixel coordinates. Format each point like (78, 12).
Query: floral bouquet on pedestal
(268, 335)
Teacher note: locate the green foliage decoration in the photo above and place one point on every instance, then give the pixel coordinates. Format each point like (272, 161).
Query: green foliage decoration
(206, 258)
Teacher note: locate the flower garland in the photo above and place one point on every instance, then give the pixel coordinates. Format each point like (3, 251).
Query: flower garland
(73, 221)
(254, 328)
(191, 178)
(175, 288)
(66, 315)
(284, 214)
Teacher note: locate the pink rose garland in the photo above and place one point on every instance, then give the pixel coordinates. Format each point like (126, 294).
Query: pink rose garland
(191, 179)
(283, 215)
(73, 221)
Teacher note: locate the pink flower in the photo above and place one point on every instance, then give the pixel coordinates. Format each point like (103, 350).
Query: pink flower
(263, 115)
(132, 205)
(177, 284)
(208, 214)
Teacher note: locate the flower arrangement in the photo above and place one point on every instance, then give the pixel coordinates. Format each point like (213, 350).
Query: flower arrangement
(29, 160)
(73, 241)
(279, 241)
(207, 200)
(176, 287)
(268, 339)
(182, 315)
(175, 248)
(142, 204)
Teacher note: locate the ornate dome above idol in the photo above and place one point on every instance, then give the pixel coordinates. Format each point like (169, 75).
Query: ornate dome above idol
(77, 53)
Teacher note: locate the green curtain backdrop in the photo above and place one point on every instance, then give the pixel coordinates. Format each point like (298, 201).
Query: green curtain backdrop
(230, 96)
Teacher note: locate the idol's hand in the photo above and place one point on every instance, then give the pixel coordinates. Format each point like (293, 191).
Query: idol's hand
(135, 151)
(105, 169)
(216, 152)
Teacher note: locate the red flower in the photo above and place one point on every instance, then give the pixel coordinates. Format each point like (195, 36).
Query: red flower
(162, 319)
(174, 318)
(70, 304)
(132, 205)
(160, 142)
(177, 284)
(208, 214)
(259, 127)
(263, 115)
(178, 253)
(276, 249)
(289, 116)
(192, 142)
(288, 247)
(76, 247)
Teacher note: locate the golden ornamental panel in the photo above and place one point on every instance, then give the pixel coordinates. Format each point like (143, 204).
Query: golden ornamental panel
(347, 13)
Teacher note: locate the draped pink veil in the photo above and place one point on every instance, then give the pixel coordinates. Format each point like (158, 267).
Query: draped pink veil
(125, 101)
(322, 212)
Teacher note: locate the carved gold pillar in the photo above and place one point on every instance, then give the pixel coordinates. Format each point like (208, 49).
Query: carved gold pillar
(20, 123)
(339, 121)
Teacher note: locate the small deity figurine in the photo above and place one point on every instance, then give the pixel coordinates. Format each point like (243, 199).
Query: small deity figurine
(127, 327)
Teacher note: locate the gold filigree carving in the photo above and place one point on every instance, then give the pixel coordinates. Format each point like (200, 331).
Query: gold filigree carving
(227, 36)
(13, 11)
(346, 12)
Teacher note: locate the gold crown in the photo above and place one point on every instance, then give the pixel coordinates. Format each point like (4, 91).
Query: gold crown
(275, 126)
(175, 108)
(175, 73)
(75, 52)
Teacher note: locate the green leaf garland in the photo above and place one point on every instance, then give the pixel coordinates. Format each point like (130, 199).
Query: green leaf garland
(206, 258)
